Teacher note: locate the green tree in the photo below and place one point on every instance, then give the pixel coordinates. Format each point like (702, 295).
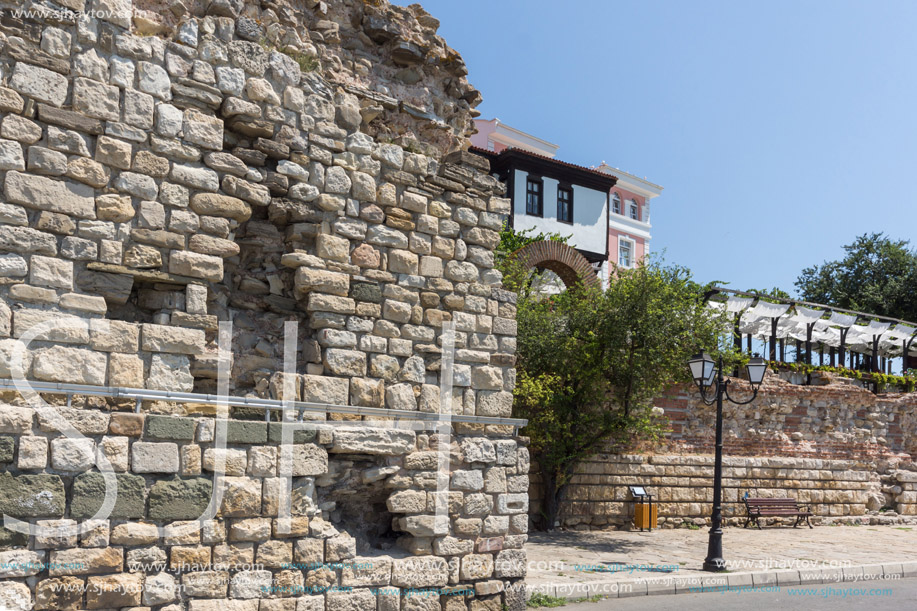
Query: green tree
(590, 364)
(877, 275)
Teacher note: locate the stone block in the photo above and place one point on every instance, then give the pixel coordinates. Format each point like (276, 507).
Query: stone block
(367, 392)
(241, 497)
(39, 192)
(72, 454)
(125, 370)
(33, 453)
(201, 129)
(169, 427)
(170, 372)
(309, 459)
(147, 457)
(400, 397)
(510, 564)
(196, 265)
(115, 153)
(309, 279)
(114, 336)
(113, 591)
(89, 491)
(350, 600)
(325, 389)
(21, 563)
(70, 365)
(423, 572)
(159, 589)
(332, 247)
(96, 100)
(133, 534)
(301, 432)
(225, 460)
(39, 83)
(163, 338)
(50, 272)
(16, 419)
(11, 156)
(345, 362)
(373, 441)
(154, 80)
(179, 499)
(241, 431)
(59, 593)
(511, 503)
(86, 561)
(130, 425)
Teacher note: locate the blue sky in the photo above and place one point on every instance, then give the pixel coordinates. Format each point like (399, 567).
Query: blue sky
(780, 130)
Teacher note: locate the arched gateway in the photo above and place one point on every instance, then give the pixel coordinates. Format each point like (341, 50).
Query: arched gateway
(563, 260)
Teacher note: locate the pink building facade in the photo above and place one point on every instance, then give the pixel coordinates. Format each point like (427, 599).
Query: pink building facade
(629, 228)
(625, 228)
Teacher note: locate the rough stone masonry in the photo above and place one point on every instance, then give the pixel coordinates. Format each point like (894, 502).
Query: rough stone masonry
(168, 166)
(847, 452)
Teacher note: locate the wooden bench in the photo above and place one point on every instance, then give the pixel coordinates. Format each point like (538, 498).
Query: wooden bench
(763, 508)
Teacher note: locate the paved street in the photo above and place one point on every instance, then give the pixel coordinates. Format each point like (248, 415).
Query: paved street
(874, 595)
(567, 558)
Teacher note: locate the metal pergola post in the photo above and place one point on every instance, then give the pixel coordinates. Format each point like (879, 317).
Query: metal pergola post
(773, 352)
(809, 329)
(840, 351)
(906, 344)
(874, 361)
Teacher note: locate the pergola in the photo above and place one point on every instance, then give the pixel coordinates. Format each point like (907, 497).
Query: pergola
(771, 319)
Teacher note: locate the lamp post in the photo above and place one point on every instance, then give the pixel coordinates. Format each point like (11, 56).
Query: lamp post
(706, 375)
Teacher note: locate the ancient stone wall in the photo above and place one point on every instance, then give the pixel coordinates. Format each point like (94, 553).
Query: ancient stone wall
(845, 450)
(837, 490)
(259, 164)
(835, 420)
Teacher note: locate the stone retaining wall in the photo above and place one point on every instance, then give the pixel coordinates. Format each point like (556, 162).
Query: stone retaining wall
(836, 420)
(840, 447)
(599, 496)
(168, 170)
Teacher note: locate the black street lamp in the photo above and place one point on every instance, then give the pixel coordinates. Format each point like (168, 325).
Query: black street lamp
(705, 375)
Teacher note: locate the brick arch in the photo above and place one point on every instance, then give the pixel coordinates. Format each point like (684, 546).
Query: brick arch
(563, 260)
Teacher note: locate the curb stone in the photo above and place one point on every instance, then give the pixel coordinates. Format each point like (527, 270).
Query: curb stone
(727, 581)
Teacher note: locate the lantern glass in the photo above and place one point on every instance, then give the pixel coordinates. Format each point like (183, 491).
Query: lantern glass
(711, 377)
(756, 369)
(702, 367)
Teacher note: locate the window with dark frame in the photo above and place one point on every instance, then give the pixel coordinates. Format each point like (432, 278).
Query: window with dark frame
(634, 211)
(533, 197)
(564, 204)
(616, 203)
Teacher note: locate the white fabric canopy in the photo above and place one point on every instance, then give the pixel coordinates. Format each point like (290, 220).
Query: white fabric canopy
(901, 331)
(877, 328)
(735, 303)
(808, 315)
(842, 320)
(764, 309)
(756, 321)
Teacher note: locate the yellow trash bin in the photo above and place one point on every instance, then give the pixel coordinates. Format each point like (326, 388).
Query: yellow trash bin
(646, 512)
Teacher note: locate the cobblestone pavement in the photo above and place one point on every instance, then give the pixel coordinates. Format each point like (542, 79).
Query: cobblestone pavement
(566, 558)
